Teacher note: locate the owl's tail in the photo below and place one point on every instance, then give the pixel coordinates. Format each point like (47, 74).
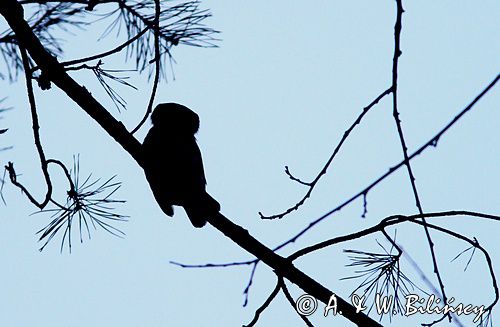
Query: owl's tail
(198, 212)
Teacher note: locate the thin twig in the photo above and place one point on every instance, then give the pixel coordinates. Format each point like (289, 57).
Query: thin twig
(36, 137)
(431, 143)
(429, 284)
(157, 62)
(264, 305)
(475, 244)
(214, 265)
(397, 54)
(384, 223)
(101, 74)
(323, 171)
(292, 302)
(65, 170)
(104, 54)
(399, 219)
(246, 291)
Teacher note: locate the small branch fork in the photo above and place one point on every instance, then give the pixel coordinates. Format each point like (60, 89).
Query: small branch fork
(415, 219)
(82, 202)
(432, 142)
(323, 171)
(381, 227)
(280, 286)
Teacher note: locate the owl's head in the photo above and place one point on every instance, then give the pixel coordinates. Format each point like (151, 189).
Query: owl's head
(176, 118)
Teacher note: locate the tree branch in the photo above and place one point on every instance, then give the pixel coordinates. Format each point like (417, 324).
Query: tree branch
(322, 172)
(397, 54)
(156, 60)
(431, 143)
(13, 13)
(264, 305)
(36, 136)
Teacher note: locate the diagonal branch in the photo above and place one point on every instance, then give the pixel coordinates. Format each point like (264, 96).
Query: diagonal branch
(416, 219)
(431, 143)
(322, 172)
(284, 267)
(397, 54)
(13, 13)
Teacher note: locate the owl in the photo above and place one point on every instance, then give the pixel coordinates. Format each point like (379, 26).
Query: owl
(173, 165)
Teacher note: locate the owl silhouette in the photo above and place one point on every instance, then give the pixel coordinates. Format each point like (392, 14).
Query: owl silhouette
(173, 165)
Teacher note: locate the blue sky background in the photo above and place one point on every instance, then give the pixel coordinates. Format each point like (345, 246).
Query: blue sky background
(287, 81)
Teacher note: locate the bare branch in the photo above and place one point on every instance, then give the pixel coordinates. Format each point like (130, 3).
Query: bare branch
(264, 305)
(246, 291)
(397, 54)
(103, 54)
(156, 60)
(431, 143)
(292, 302)
(383, 224)
(36, 137)
(327, 165)
(215, 265)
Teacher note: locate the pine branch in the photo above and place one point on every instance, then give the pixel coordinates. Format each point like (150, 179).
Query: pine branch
(13, 13)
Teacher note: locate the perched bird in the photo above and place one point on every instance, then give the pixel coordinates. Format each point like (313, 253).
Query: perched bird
(173, 164)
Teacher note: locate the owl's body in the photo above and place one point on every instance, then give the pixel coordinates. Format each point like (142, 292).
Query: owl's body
(173, 163)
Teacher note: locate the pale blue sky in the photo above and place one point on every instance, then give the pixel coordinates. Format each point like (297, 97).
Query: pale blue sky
(287, 81)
